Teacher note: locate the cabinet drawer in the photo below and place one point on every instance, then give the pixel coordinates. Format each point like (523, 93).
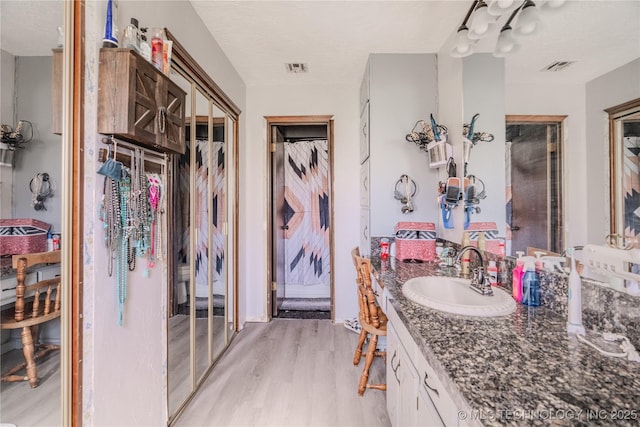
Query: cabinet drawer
(364, 184)
(431, 384)
(364, 134)
(365, 237)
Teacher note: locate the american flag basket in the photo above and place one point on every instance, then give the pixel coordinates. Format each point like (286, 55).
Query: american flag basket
(415, 241)
(22, 236)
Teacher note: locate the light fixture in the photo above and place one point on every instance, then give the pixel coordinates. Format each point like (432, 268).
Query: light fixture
(524, 17)
(464, 45)
(507, 43)
(528, 18)
(502, 7)
(481, 21)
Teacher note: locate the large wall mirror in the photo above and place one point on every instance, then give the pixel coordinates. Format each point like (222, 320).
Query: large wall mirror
(36, 142)
(624, 152)
(202, 314)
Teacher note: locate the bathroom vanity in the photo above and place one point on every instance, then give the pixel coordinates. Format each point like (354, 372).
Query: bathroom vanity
(522, 368)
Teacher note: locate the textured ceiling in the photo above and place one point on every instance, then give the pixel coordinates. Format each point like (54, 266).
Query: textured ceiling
(335, 37)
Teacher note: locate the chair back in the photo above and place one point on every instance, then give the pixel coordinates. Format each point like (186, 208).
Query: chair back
(38, 302)
(369, 311)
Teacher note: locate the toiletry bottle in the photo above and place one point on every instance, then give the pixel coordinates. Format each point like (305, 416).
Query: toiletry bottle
(530, 285)
(465, 256)
(492, 272)
(482, 241)
(517, 278)
(157, 50)
(56, 242)
(131, 36)
(574, 320)
(501, 247)
(49, 242)
(145, 47)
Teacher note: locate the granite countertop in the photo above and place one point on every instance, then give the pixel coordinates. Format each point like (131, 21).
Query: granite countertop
(518, 369)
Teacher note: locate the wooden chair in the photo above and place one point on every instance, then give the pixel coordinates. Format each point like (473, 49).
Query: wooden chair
(372, 320)
(35, 304)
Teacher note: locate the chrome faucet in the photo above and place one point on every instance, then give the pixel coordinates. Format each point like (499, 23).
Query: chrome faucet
(479, 282)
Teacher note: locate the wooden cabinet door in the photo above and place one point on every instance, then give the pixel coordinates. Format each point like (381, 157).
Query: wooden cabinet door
(171, 127)
(138, 103)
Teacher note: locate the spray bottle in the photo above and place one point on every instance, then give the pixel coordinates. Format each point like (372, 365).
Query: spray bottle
(517, 277)
(574, 321)
(530, 284)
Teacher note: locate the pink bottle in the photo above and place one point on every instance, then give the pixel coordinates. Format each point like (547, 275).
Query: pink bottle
(517, 277)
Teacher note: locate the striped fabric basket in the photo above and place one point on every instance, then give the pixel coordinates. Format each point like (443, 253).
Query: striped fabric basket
(22, 236)
(415, 241)
(490, 235)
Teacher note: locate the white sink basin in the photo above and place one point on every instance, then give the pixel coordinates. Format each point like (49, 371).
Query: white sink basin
(453, 295)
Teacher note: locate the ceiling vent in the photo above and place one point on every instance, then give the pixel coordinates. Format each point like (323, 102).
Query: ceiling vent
(557, 66)
(297, 67)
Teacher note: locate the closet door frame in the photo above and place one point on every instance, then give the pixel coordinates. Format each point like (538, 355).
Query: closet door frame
(271, 121)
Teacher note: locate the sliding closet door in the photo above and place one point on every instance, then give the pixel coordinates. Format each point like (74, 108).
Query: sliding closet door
(231, 161)
(180, 383)
(200, 296)
(219, 223)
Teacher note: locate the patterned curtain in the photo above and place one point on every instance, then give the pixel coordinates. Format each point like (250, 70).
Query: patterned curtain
(306, 195)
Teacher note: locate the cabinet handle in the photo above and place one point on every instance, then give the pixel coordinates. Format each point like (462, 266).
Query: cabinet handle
(162, 119)
(364, 232)
(426, 385)
(395, 370)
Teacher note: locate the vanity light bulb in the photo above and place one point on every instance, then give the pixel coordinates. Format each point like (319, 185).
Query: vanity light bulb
(506, 43)
(527, 20)
(502, 7)
(480, 21)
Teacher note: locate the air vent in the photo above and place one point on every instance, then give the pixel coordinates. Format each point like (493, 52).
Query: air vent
(557, 66)
(297, 67)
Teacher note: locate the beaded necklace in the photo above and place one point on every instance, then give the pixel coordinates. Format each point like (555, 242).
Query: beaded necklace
(131, 211)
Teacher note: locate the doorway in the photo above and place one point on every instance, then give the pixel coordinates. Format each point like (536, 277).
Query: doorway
(534, 183)
(300, 180)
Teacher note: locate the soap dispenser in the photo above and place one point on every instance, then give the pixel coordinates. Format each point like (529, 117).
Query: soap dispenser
(574, 321)
(530, 284)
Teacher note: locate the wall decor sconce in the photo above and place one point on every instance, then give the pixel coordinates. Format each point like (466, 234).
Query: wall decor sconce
(482, 16)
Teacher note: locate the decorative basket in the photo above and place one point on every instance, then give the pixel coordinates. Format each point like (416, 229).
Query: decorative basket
(415, 241)
(490, 235)
(22, 236)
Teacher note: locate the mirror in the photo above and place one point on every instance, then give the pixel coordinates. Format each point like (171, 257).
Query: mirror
(179, 379)
(624, 149)
(203, 224)
(230, 300)
(219, 168)
(28, 75)
(200, 290)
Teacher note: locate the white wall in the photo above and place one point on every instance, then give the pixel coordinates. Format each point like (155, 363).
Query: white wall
(342, 103)
(44, 153)
(450, 113)
(614, 88)
(7, 86)
(484, 94)
(124, 368)
(403, 89)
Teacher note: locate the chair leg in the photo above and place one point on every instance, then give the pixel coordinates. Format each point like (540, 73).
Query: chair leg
(358, 354)
(28, 350)
(371, 350)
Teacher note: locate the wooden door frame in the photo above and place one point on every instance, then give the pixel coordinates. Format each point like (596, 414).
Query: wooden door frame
(288, 121)
(512, 119)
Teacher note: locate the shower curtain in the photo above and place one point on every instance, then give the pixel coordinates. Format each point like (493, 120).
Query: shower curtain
(306, 194)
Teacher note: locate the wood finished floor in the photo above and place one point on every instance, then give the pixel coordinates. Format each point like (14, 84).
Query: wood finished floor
(24, 406)
(289, 372)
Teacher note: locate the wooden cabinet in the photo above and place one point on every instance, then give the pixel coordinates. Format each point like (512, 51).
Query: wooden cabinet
(138, 103)
(415, 395)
